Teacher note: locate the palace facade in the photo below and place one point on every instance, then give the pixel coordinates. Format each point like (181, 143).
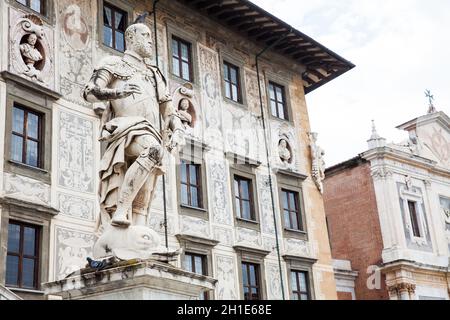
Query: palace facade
(244, 205)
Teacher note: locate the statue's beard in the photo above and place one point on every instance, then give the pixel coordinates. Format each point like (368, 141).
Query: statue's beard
(144, 50)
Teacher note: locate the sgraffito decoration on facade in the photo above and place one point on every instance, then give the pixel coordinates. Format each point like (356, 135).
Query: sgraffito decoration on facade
(76, 207)
(195, 227)
(219, 191)
(318, 162)
(226, 276)
(265, 203)
(76, 170)
(31, 54)
(75, 48)
(71, 250)
(273, 282)
(211, 96)
(26, 189)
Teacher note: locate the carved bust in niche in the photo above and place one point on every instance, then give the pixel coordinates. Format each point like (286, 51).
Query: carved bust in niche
(30, 53)
(183, 111)
(284, 151)
(184, 98)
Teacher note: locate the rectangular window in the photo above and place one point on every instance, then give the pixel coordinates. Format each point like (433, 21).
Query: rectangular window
(251, 281)
(114, 26)
(22, 262)
(232, 82)
(291, 210)
(278, 105)
(26, 139)
(182, 59)
(191, 188)
(243, 192)
(300, 287)
(414, 218)
(35, 5)
(197, 264)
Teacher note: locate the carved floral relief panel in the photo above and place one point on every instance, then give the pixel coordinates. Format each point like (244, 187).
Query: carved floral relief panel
(76, 207)
(226, 276)
(76, 168)
(26, 189)
(72, 247)
(218, 192)
(75, 48)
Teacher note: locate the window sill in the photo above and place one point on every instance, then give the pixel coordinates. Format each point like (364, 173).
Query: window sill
(181, 81)
(296, 234)
(237, 104)
(194, 212)
(28, 167)
(30, 291)
(248, 224)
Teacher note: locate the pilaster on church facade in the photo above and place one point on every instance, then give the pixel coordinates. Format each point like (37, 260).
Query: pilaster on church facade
(50, 141)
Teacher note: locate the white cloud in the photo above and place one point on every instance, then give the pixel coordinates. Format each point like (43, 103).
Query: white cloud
(399, 48)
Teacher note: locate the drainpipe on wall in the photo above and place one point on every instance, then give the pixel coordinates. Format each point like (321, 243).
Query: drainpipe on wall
(263, 119)
(155, 31)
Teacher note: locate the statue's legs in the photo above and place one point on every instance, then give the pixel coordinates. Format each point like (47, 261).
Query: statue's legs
(148, 153)
(142, 202)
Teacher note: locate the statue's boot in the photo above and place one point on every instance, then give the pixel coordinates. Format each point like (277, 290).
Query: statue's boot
(135, 178)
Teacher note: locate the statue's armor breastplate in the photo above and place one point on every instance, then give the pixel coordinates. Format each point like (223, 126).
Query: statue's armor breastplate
(137, 105)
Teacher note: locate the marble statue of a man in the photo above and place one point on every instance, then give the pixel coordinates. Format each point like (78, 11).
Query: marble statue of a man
(137, 95)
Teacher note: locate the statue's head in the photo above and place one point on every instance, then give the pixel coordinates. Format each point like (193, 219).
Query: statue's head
(32, 39)
(184, 104)
(138, 38)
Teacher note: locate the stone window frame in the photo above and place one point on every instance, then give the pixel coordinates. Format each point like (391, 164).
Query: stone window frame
(41, 105)
(254, 256)
(415, 196)
(226, 57)
(246, 169)
(176, 31)
(284, 82)
(122, 5)
(198, 246)
(299, 264)
(290, 181)
(49, 7)
(31, 214)
(196, 156)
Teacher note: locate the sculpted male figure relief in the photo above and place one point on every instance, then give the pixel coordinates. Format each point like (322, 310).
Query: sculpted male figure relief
(137, 95)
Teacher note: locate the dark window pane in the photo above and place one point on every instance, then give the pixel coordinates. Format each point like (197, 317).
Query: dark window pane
(304, 297)
(414, 218)
(188, 263)
(107, 16)
(32, 153)
(227, 91)
(246, 210)
(287, 219)
(17, 148)
(272, 92)
(184, 52)
(238, 208)
(184, 172)
(13, 238)
(273, 107)
(184, 195)
(29, 243)
(28, 273)
(119, 21)
(107, 36)
(244, 275)
(175, 48)
(236, 188)
(234, 91)
(233, 75)
(33, 126)
(252, 275)
(36, 5)
(294, 221)
(120, 41)
(18, 120)
(193, 174)
(302, 281)
(12, 271)
(280, 94)
(294, 281)
(285, 200)
(194, 197)
(225, 72)
(199, 265)
(186, 75)
(281, 114)
(245, 185)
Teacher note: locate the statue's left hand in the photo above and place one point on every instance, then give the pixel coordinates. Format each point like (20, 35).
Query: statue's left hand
(177, 140)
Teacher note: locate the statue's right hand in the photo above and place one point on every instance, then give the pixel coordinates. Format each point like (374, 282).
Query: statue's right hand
(129, 89)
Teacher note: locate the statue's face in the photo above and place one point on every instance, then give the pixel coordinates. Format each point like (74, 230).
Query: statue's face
(184, 104)
(283, 144)
(32, 39)
(140, 41)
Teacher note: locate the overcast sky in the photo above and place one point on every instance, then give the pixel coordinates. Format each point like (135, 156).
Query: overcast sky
(400, 48)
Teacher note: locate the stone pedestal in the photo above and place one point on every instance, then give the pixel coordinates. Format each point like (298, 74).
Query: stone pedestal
(132, 280)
